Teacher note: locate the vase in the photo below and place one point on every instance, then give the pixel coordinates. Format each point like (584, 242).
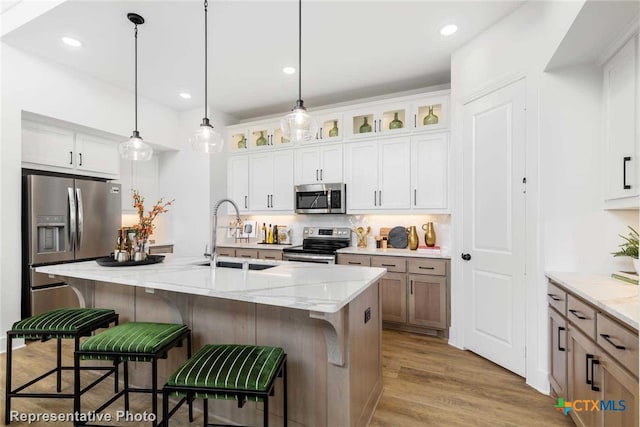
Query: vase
(396, 123)
(261, 141)
(636, 265)
(141, 249)
(430, 119)
(413, 238)
(429, 234)
(283, 140)
(242, 143)
(366, 127)
(334, 130)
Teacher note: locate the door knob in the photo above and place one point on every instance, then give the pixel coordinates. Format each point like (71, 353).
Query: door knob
(466, 257)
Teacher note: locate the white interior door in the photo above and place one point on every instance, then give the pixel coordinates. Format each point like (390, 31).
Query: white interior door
(494, 226)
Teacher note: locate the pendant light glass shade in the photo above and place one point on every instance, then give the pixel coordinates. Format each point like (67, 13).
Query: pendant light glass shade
(206, 139)
(298, 125)
(135, 148)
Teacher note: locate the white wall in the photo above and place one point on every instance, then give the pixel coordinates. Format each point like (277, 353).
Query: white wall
(38, 86)
(520, 45)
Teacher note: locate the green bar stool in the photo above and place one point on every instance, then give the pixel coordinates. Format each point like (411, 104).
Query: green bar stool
(59, 324)
(133, 341)
(231, 371)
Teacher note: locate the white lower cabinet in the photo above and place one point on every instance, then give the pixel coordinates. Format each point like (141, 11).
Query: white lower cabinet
(317, 165)
(238, 182)
(271, 181)
(430, 172)
(377, 175)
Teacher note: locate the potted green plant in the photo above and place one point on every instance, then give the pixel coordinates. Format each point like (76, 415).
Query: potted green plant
(630, 248)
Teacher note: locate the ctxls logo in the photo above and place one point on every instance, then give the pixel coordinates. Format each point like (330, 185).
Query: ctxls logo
(589, 405)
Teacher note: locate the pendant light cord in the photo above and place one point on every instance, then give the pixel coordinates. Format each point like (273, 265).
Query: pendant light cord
(135, 32)
(300, 49)
(206, 5)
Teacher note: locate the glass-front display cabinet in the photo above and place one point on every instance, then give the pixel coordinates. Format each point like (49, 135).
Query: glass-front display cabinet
(267, 136)
(330, 128)
(383, 119)
(237, 140)
(431, 113)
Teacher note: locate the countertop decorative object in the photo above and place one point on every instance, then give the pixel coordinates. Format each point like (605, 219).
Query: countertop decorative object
(362, 234)
(398, 237)
(321, 288)
(618, 299)
(108, 261)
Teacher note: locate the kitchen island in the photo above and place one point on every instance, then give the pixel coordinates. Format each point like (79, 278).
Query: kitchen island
(326, 317)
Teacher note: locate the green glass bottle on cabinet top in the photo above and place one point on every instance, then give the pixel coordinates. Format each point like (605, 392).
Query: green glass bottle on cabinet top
(242, 143)
(366, 127)
(283, 140)
(261, 140)
(396, 123)
(334, 130)
(430, 119)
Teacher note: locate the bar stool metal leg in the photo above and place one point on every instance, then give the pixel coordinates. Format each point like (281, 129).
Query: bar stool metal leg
(7, 399)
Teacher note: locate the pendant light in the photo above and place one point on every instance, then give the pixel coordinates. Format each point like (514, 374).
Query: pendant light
(135, 148)
(206, 139)
(298, 125)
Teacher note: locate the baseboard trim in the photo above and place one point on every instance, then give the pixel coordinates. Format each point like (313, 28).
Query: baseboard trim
(539, 380)
(17, 343)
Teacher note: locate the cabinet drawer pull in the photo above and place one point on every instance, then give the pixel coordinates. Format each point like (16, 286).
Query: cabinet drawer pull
(625, 186)
(245, 256)
(607, 338)
(554, 297)
(586, 367)
(560, 328)
(426, 268)
(575, 313)
(355, 263)
(269, 257)
(389, 265)
(594, 387)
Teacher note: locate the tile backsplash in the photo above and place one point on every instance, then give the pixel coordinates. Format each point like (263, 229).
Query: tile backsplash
(442, 224)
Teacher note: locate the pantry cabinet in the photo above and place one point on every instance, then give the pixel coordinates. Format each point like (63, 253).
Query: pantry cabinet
(377, 175)
(621, 136)
(58, 149)
(271, 182)
(316, 165)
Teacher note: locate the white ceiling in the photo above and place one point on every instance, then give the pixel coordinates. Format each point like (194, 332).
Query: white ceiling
(350, 49)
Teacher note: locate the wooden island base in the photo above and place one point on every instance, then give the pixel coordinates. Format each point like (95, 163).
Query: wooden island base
(334, 359)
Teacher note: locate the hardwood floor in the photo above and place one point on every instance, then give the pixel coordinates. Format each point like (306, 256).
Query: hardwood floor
(427, 383)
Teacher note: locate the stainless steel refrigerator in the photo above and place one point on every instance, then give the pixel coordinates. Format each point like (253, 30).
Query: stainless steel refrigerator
(64, 219)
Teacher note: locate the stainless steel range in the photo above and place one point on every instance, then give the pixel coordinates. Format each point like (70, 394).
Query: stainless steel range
(319, 245)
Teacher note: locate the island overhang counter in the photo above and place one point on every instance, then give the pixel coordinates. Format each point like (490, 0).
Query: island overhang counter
(326, 317)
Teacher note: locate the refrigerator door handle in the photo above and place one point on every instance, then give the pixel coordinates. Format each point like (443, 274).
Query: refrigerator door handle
(80, 217)
(72, 218)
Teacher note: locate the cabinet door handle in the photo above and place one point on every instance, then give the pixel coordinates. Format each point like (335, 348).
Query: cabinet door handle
(70, 157)
(320, 134)
(375, 200)
(607, 338)
(267, 200)
(321, 178)
(317, 179)
(594, 387)
(80, 154)
(586, 367)
(575, 313)
(560, 328)
(245, 202)
(554, 297)
(411, 287)
(380, 197)
(415, 121)
(415, 197)
(625, 186)
(466, 257)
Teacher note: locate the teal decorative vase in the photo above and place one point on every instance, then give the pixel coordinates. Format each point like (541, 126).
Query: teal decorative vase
(366, 127)
(430, 119)
(242, 143)
(261, 140)
(334, 130)
(396, 123)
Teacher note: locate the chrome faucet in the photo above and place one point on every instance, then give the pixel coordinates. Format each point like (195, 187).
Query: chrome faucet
(214, 225)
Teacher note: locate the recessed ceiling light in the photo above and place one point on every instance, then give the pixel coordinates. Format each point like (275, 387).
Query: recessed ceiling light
(447, 30)
(288, 70)
(185, 95)
(71, 41)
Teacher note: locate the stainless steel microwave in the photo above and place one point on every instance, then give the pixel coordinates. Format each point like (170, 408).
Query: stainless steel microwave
(321, 198)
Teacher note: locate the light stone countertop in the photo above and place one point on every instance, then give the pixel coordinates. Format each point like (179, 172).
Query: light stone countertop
(619, 299)
(262, 246)
(354, 250)
(307, 286)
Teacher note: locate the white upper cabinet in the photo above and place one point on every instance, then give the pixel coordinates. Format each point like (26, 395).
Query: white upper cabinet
(271, 182)
(238, 182)
(257, 137)
(374, 120)
(377, 175)
(60, 149)
(238, 139)
(430, 114)
(620, 91)
(315, 165)
(330, 128)
(430, 172)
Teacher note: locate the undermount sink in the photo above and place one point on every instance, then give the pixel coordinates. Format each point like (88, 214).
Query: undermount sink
(238, 265)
